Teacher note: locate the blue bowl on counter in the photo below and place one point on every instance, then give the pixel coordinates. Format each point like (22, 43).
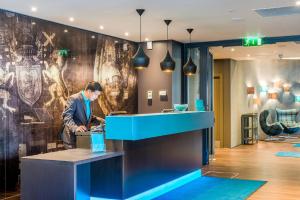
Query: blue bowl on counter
(181, 107)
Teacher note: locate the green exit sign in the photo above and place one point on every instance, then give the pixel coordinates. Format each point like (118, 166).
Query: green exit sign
(252, 41)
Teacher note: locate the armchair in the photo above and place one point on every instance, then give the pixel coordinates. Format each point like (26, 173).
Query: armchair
(270, 129)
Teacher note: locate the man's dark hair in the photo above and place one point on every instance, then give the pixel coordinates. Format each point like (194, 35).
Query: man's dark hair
(93, 86)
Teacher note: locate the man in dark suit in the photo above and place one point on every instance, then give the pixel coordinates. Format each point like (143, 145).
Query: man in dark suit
(78, 114)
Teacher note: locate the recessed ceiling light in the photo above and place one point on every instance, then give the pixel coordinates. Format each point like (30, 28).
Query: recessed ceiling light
(298, 3)
(33, 9)
(248, 55)
(101, 27)
(232, 49)
(66, 30)
(146, 39)
(93, 37)
(71, 19)
(126, 34)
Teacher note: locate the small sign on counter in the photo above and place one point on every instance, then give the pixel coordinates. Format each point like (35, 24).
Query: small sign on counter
(97, 142)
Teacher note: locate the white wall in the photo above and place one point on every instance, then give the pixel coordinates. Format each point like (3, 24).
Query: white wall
(236, 88)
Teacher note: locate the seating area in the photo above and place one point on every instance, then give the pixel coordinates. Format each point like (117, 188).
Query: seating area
(279, 121)
(288, 120)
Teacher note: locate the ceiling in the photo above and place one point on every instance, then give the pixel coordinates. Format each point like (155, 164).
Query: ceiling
(211, 19)
(282, 50)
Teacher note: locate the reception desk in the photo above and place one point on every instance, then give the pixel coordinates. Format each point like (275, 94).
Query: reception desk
(158, 147)
(145, 154)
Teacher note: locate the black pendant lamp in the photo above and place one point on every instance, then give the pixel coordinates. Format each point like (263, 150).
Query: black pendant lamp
(140, 60)
(168, 64)
(190, 68)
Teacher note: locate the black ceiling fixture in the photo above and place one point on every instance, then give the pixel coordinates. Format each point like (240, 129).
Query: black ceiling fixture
(190, 68)
(140, 60)
(168, 64)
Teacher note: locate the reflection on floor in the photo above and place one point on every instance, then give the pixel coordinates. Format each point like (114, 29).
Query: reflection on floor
(10, 196)
(258, 162)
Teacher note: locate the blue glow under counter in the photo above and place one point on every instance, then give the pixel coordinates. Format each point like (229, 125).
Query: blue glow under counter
(143, 126)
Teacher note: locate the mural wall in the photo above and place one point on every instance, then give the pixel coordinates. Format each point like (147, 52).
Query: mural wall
(112, 69)
(41, 64)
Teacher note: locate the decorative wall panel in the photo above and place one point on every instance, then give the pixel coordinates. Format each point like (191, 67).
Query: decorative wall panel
(41, 65)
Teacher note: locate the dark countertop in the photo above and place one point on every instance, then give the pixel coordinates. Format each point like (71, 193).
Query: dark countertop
(73, 156)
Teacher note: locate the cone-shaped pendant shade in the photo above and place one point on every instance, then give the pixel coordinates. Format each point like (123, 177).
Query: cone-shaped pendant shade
(189, 68)
(140, 59)
(168, 64)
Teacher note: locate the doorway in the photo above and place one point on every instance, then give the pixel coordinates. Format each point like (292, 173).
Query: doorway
(218, 110)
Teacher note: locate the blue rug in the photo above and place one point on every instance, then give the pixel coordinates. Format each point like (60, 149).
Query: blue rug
(212, 188)
(296, 145)
(288, 154)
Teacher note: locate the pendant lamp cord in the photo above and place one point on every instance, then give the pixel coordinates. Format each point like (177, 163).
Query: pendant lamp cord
(190, 43)
(167, 37)
(140, 28)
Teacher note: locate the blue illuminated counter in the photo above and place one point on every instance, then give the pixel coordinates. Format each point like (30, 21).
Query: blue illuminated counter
(147, 155)
(143, 126)
(158, 149)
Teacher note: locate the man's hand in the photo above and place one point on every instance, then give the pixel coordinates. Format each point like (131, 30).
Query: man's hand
(101, 120)
(81, 129)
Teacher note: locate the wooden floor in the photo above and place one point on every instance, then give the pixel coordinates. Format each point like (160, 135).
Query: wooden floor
(258, 162)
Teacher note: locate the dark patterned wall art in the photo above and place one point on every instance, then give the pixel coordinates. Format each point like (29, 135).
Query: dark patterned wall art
(41, 65)
(112, 69)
